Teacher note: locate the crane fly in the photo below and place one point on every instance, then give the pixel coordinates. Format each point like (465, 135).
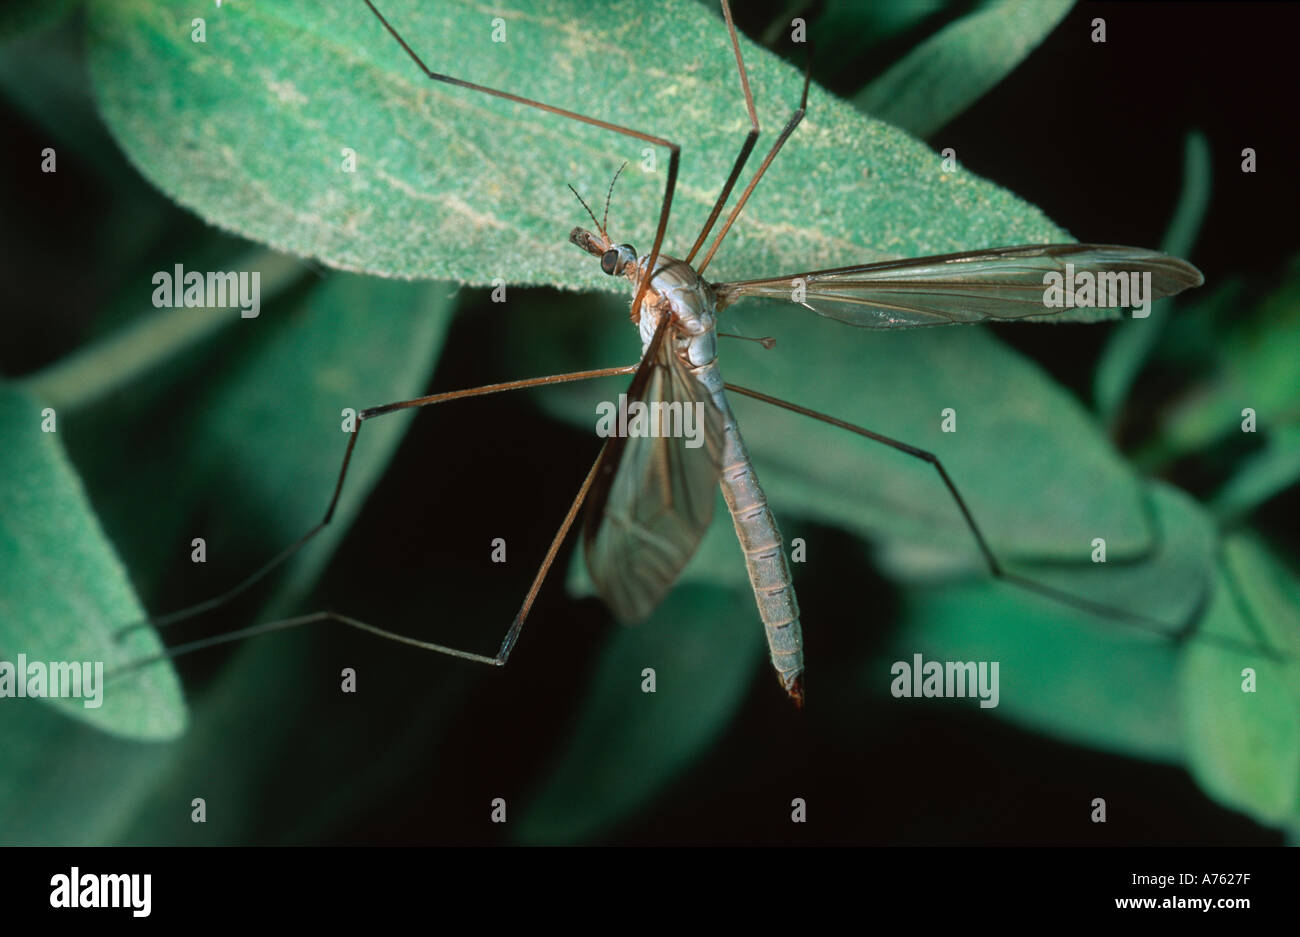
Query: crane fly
(649, 496)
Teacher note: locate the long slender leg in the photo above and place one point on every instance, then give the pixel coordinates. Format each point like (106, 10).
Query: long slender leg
(674, 151)
(642, 370)
(499, 660)
(767, 161)
(995, 567)
(240, 587)
(746, 148)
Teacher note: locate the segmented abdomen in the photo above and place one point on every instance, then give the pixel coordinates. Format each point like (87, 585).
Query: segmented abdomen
(769, 574)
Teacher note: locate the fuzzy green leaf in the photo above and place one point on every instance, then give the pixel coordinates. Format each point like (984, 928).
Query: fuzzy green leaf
(64, 594)
(1243, 708)
(249, 129)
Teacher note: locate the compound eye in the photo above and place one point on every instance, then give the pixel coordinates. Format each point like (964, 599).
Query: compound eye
(609, 261)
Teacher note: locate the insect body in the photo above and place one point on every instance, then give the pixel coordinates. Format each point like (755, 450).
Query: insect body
(679, 314)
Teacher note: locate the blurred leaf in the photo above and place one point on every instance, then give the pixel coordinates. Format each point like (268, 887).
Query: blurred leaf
(845, 29)
(63, 591)
(1253, 366)
(43, 78)
(1038, 476)
(64, 782)
(718, 566)
(150, 337)
(234, 756)
(704, 644)
(1189, 215)
(1131, 342)
(250, 461)
(347, 341)
(273, 430)
(96, 211)
(1245, 745)
(958, 65)
(876, 21)
(1073, 674)
(1262, 475)
(248, 130)
(20, 16)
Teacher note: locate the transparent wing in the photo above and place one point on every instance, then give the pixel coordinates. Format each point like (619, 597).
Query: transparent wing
(653, 497)
(997, 283)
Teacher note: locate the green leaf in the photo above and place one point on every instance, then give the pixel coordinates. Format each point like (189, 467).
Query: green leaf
(249, 130)
(704, 644)
(708, 662)
(63, 592)
(20, 16)
(1067, 672)
(273, 431)
(1132, 341)
(1255, 368)
(957, 66)
(1037, 474)
(1242, 352)
(1185, 226)
(843, 26)
(272, 699)
(1262, 475)
(151, 337)
(42, 77)
(251, 458)
(1244, 738)
(261, 456)
(63, 782)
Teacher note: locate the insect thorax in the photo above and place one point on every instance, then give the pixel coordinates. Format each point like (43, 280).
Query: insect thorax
(679, 291)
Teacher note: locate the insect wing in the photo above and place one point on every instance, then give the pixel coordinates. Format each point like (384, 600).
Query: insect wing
(654, 495)
(998, 283)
